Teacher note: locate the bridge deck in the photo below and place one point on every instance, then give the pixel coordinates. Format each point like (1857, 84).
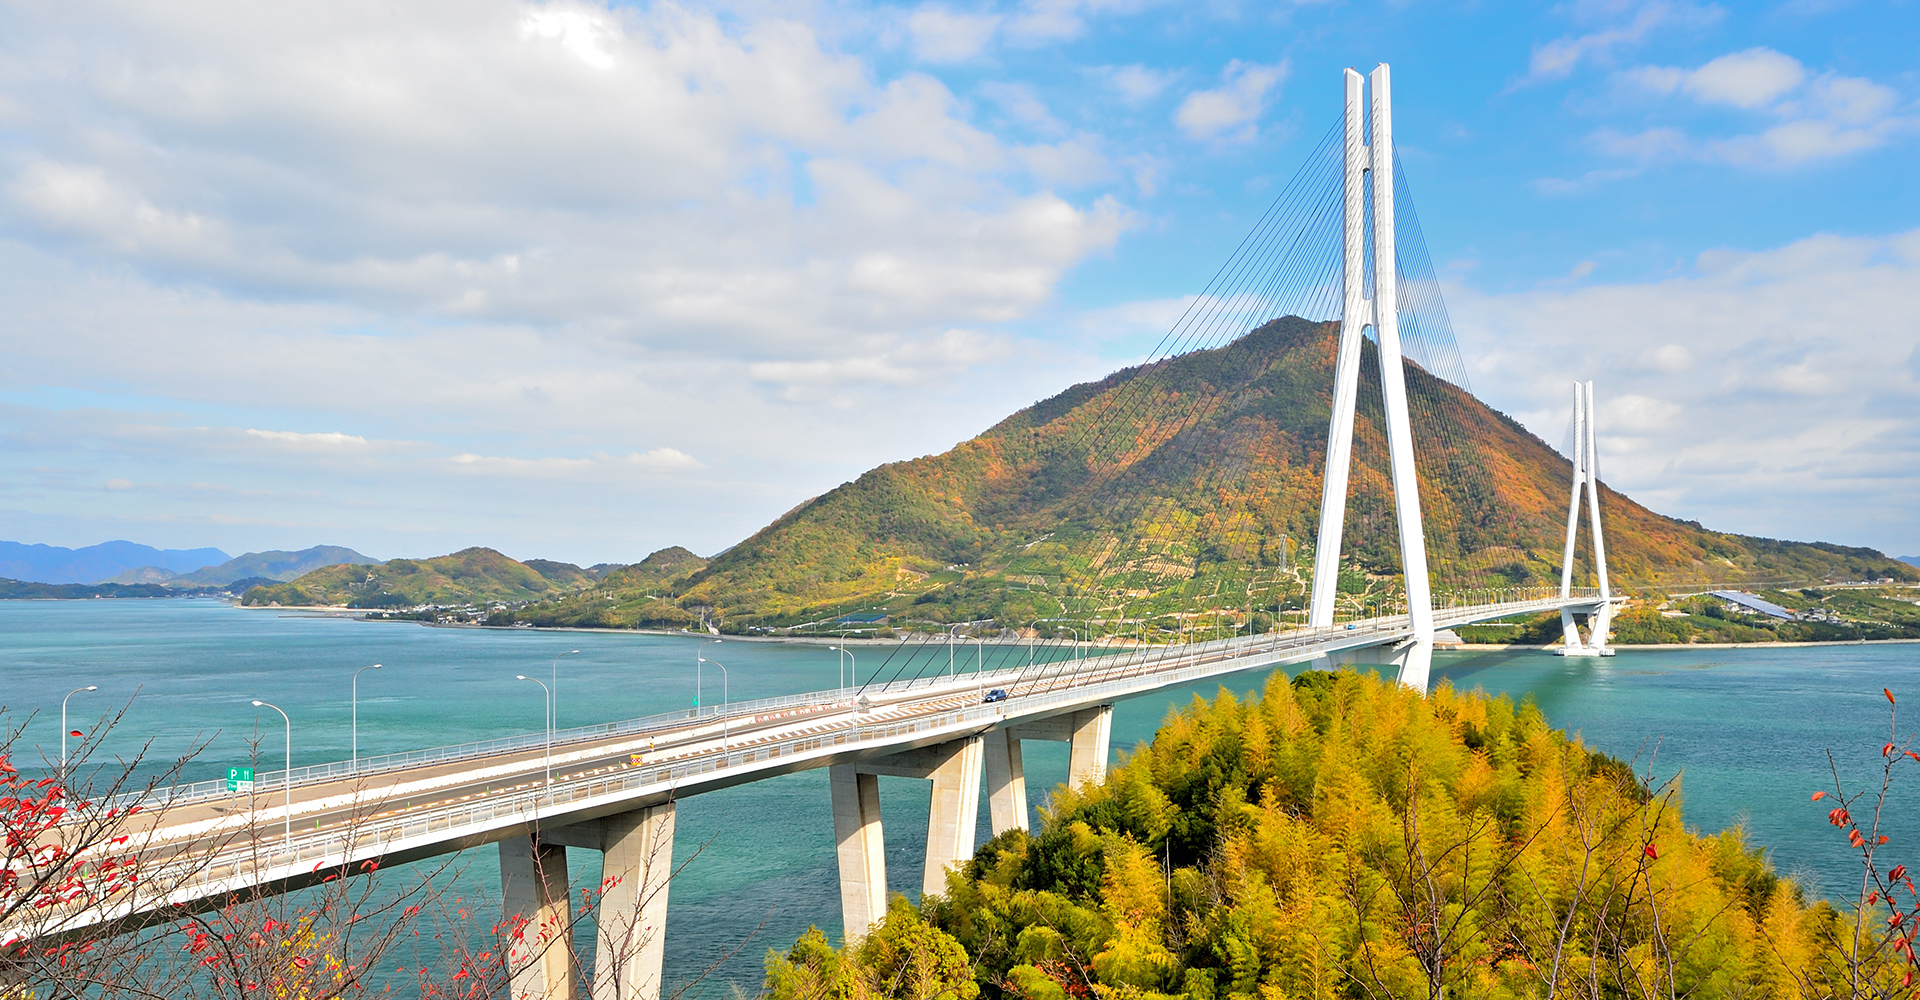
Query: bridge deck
(198, 848)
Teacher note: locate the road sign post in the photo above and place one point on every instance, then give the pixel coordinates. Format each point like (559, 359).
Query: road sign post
(239, 779)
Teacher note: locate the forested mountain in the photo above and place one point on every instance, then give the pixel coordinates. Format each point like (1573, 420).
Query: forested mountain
(1195, 482)
(273, 564)
(97, 563)
(470, 576)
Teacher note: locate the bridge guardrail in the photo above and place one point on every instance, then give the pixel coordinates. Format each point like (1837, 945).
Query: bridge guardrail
(1196, 661)
(334, 770)
(1190, 662)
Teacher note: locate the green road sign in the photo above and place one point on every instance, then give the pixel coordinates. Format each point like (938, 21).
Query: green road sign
(239, 779)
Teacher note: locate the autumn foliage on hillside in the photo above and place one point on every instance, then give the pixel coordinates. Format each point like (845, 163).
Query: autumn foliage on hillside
(1206, 469)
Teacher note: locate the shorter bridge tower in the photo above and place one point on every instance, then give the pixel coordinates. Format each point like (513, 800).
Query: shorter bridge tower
(1586, 473)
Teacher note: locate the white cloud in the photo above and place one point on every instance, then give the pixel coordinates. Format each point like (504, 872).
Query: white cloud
(943, 35)
(1742, 394)
(563, 238)
(1750, 79)
(557, 467)
(1021, 104)
(1558, 59)
(1136, 84)
(1230, 112)
(298, 439)
(1828, 117)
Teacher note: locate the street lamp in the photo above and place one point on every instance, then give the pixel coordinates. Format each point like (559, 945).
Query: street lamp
(553, 673)
(63, 728)
(286, 777)
(699, 657)
(545, 701)
(726, 702)
(847, 654)
(950, 629)
(356, 716)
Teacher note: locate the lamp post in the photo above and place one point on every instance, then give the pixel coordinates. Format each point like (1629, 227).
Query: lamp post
(848, 653)
(63, 728)
(355, 769)
(553, 674)
(726, 702)
(699, 658)
(286, 776)
(544, 703)
(950, 629)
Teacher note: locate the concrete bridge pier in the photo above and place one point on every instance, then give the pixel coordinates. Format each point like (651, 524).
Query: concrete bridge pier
(1006, 781)
(954, 768)
(1089, 735)
(534, 894)
(631, 917)
(1411, 660)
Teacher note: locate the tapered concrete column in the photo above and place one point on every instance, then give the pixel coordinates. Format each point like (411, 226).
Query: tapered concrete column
(533, 889)
(1006, 782)
(628, 958)
(953, 818)
(1569, 629)
(862, 848)
(1092, 734)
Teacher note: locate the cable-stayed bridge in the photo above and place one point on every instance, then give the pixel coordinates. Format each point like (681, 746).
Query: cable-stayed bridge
(614, 787)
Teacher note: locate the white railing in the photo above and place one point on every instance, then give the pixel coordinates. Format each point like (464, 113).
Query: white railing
(1032, 693)
(1529, 599)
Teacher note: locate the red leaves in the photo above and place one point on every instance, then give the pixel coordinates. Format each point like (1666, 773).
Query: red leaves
(301, 961)
(1889, 695)
(1899, 872)
(1886, 751)
(1817, 796)
(1854, 838)
(1839, 816)
(1650, 852)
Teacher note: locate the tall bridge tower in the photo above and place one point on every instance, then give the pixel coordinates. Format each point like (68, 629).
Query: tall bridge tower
(1370, 159)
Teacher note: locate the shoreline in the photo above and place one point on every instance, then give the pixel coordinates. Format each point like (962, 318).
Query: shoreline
(1470, 647)
(1467, 647)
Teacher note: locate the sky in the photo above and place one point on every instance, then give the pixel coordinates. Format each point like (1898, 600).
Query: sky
(579, 281)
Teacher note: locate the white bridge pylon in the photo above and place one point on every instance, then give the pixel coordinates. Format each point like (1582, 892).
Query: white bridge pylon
(1372, 160)
(1586, 473)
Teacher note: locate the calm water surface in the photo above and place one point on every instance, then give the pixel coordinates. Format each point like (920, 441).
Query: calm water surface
(1748, 730)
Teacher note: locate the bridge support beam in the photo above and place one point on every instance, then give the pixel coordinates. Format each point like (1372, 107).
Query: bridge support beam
(1006, 781)
(1092, 742)
(534, 894)
(862, 849)
(1397, 656)
(630, 954)
(953, 816)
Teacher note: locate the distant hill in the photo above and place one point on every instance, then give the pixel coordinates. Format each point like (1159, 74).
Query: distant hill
(16, 590)
(98, 563)
(636, 596)
(144, 574)
(273, 564)
(470, 576)
(1911, 560)
(1194, 483)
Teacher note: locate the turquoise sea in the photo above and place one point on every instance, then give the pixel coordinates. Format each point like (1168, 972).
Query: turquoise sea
(1748, 729)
